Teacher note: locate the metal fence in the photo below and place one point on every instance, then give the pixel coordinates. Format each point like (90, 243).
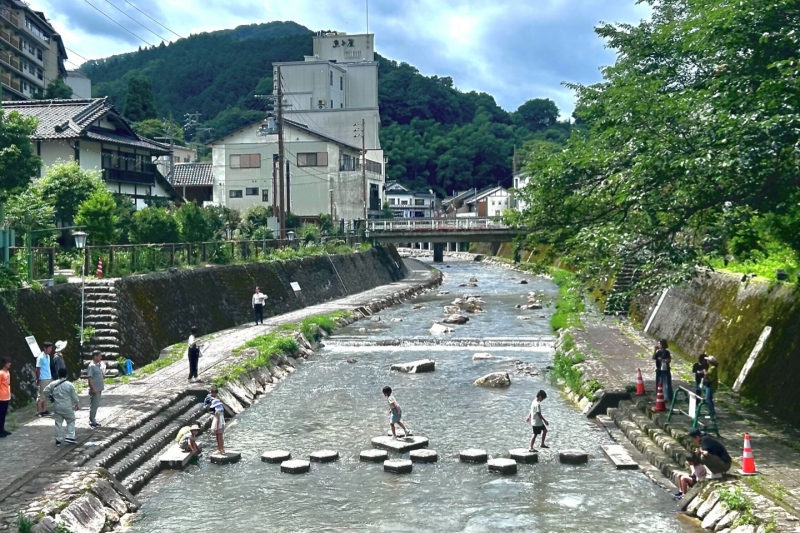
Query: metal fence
(43, 260)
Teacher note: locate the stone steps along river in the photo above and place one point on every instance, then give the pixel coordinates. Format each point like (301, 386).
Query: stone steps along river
(542, 341)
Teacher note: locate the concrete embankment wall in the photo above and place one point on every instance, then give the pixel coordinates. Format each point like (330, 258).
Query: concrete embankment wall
(157, 310)
(726, 317)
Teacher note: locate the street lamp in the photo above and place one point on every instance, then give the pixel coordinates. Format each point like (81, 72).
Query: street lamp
(80, 244)
(290, 235)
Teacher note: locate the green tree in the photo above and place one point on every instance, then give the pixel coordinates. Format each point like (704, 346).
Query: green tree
(154, 128)
(66, 186)
(155, 225)
(125, 210)
(56, 89)
(28, 210)
(221, 220)
(193, 224)
(697, 116)
(254, 219)
(387, 211)
(18, 161)
(98, 216)
(325, 223)
(536, 114)
(139, 102)
(309, 233)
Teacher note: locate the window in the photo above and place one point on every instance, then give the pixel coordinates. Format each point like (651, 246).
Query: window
(391, 201)
(246, 161)
(341, 83)
(312, 159)
(331, 73)
(36, 30)
(419, 201)
(251, 191)
(235, 193)
(331, 103)
(341, 106)
(185, 159)
(265, 195)
(39, 53)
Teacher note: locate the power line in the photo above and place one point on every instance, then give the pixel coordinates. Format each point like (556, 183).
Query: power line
(151, 18)
(115, 22)
(76, 53)
(136, 21)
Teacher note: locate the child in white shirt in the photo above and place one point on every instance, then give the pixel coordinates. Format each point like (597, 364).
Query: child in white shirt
(686, 481)
(396, 413)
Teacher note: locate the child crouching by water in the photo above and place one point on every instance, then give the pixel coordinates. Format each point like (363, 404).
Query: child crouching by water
(396, 413)
(687, 481)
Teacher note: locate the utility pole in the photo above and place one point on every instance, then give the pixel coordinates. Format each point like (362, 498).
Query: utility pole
(279, 104)
(274, 185)
(363, 164)
(514, 162)
(169, 135)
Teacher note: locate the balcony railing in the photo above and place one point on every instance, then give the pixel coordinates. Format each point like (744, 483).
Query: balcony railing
(10, 81)
(13, 40)
(11, 60)
(129, 176)
(10, 17)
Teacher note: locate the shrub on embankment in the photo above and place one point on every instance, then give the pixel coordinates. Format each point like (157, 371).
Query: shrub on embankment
(725, 317)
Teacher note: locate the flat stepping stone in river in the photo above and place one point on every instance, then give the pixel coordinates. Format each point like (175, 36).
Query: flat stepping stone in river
(174, 458)
(276, 456)
(423, 456)
(473, 455)
(503, 466)
(573, 457)
(523, 455)
(227, 458)
(324, 456)
(416, 367)
(295, 466)
(374, 456)
(619, 457)
(398, 466)
(403, 445)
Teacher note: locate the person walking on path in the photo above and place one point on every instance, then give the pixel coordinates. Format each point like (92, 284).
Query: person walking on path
(96, 386)
(218, 424)
(538, 421)
(193, 354)
(5, 394)
(65, 403)
(712, 453)
(43, 378)
(663, 360)
(711, 383)
(395, 414)
(258, 305)
(699, 371)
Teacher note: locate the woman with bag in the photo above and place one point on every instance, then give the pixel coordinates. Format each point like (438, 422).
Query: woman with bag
(194, 354)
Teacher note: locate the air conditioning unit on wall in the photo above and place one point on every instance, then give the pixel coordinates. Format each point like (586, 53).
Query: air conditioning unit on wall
(322, 104)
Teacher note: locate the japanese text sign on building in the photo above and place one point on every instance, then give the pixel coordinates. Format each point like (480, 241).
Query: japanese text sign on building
(344, 43)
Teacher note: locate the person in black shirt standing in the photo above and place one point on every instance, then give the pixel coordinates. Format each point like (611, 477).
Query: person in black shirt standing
(712, 453)
(699, 370)
(663, 360)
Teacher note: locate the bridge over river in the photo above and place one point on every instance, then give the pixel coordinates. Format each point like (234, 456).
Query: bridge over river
(439, 232)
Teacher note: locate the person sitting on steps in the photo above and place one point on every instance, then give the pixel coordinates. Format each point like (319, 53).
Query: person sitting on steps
(712, 453)
(687, 481)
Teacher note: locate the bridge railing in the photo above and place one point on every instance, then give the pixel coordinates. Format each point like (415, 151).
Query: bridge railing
(433, 224)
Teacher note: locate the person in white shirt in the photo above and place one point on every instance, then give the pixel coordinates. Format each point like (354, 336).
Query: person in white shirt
(193, 352)
(537, 420)
(258, 305)
(686, 481)
(396, 414)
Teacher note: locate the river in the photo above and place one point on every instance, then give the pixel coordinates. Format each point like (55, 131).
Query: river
(330, 403)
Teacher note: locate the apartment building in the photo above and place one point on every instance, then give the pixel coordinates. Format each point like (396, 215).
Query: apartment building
(32, 53)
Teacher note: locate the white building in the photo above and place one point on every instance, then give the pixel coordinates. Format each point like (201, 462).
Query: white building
(80, 83)
(323, 173)
(406, 203)
(95, 134)
(180, 154)
(520, 182)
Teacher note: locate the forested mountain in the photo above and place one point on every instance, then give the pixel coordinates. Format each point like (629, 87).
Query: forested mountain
(434, 135)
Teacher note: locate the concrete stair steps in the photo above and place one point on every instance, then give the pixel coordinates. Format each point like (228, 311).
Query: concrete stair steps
(102, 323)
(152, 447)
(103, 339)
(137, 479)
(103, 347)
(102, 332)
(100, 289)
(98, 310)
(100, 299)
(100, 282)
(142, 433)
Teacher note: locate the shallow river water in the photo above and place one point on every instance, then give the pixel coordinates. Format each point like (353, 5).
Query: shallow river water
(332, 404)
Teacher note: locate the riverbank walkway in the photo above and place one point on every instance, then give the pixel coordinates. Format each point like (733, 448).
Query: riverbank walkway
(29, 458)
(616, 349)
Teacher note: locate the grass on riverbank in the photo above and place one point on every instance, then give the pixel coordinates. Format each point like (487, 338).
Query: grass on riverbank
(570, 303)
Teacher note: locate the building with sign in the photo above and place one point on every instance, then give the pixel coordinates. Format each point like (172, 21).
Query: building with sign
(406, 203)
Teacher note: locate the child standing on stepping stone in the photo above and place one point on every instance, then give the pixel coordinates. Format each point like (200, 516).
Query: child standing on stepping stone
(396, 413)
(218, 424)
(537, 421)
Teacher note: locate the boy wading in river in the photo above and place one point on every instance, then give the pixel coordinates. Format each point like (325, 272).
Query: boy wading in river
(396, 413)
(537, 421)
(218, 424)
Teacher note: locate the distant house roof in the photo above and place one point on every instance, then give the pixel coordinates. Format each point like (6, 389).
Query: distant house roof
(480, 195)
(295, 124)
(460, 197)
(75, 119)
(191, 175)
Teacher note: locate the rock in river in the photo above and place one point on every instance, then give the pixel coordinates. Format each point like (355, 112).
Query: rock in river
(456, 319)
(495, 379)
(416, 367)
(481, 356)
(439, 329)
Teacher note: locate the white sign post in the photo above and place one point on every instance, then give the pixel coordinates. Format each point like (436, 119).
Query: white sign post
(295, 286)
(692, 405)
(34, 346)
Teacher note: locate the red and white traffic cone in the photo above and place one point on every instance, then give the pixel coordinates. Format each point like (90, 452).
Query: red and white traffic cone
(99, 273)
(639, 383)
(660, 405)
(748, 463)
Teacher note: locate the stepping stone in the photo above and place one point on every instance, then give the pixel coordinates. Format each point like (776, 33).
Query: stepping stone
(619, 457)
(324, 456)
(295, 466)
(174, 458)
(400, 445)
(400, 434)
(276, 456)
(423, 456)
(416, 367)
(374, 456)
(503, 466)
(573, 457)
(523, 455)
(473, 455)
(398, 466)
(227, 458)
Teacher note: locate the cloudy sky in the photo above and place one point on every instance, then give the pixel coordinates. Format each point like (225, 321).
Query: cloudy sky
(512, 49)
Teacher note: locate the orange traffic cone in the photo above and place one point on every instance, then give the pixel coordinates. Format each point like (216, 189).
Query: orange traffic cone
(748, 463)
(639, 383)
(660, 405)
(100, 268)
